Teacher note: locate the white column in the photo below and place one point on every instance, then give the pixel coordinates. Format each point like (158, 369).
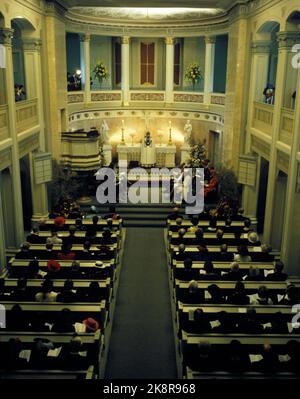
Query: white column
(169, 69)
(209, 67)
(85, 67)
(5, 38)
(284, 47)
(261, 52)
(30, 78)
(125, 69)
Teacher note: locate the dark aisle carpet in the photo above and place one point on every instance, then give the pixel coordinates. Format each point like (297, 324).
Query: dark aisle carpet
(142, 340)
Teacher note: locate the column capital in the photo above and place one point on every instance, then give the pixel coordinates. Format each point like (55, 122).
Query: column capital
(125, 39)
(169, 40)
(286, 40)
(210, 39)
(261, 46)
(6, 35)
(85, 37)
(31, 44)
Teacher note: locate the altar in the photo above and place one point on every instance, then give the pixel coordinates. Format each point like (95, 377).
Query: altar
(164, 154)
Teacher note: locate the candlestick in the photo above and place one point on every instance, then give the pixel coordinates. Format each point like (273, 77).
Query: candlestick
(123, 139)
(170, 135)
(170, 124)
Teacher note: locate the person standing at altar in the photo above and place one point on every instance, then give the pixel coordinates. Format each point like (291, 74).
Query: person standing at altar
(148, 156)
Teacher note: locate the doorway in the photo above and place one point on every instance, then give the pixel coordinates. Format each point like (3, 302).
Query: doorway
(262, 195)
(214, 147)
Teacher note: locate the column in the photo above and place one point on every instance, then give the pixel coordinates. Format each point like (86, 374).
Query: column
(259, 68)
(210, 42)
(85, 67)
(32, 57)
(285, 42)
(125, 69)
(5, 39)
(169, 69)
(2, 235)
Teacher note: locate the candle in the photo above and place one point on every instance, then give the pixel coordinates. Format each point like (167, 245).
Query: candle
(122, 122)
(170, 124)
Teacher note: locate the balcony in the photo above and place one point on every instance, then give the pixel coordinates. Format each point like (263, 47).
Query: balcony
(4, 132)
(286, 126)
(26, 114)
(263, 117)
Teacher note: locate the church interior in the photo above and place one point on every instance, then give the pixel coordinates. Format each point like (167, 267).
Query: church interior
(124, 277)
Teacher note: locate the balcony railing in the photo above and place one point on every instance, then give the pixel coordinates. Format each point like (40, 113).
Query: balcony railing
(188, 97)
(263, 117)
(104, 96)
(4, 133)
(145, 96)
(217, 99)
(26, 114)
(286, 126)
(75, 97)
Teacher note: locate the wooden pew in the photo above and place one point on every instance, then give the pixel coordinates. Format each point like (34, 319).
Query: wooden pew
(19, 267)
(80, 237)
(81, 286)
(49, 374)
(102, 223)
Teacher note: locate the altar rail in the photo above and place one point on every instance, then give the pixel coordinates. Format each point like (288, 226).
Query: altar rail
(263, 117)
(26, 114)
(4, 133)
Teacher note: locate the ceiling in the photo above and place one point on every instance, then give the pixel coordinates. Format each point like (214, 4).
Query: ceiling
(218, 4)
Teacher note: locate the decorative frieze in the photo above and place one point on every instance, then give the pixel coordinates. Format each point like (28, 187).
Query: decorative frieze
(75, 98)
(147, 97)
(261, 46)
(218, 100)
(105, 97)
(188, 98)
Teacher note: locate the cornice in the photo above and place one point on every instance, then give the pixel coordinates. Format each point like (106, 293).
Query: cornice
(6, 36)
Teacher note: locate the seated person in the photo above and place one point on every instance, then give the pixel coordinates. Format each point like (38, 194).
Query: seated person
(33, 269)
(254, 274)
(247, 225)
(203, 253)
(112, 214)
(211, 189)
(54, 239)
(59, 223)
(278, 324)
(94, 292)
(237, 359)
(265, 255)
(16, 319)
(179, 221)
(75, 213)
(46, 294)
(181, 255)
(54, 268)
(199, 239)
(292, 349)
(278, 274)
(187, 273)
(212, 225)
(194, 226)
(250, 323)
(216, 294)
(91, 231)
(291, 296)
(219, 234)
(68, 294)
(235, 273)
(239, 297)
(208, 272)
(201, 324)
(70, 357)
(262, 297)
(253, 238)
(224, 255)
(227, 324)
(107, 236)
(49, 253)
(63, 322)
(79, 225)
(66, 252)
(180, 239)
(25, 252)
(243, 254)
(270, 361)
(71, 238)
(21, 293)
(86, 254)
(33, 237)
(76, 273)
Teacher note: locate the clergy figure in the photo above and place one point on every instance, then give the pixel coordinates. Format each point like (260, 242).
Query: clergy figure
(148, 157)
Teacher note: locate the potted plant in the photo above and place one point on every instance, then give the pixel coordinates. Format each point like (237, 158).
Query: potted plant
(229, 189)
(193, 74)
(101, 72)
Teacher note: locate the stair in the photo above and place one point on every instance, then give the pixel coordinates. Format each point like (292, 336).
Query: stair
(152, 215)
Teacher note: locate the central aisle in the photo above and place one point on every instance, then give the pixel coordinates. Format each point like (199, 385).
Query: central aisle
(142, 339)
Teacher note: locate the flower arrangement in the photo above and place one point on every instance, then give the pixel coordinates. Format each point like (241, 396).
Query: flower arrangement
(100, 71)
(193, 73)
(197, 155)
